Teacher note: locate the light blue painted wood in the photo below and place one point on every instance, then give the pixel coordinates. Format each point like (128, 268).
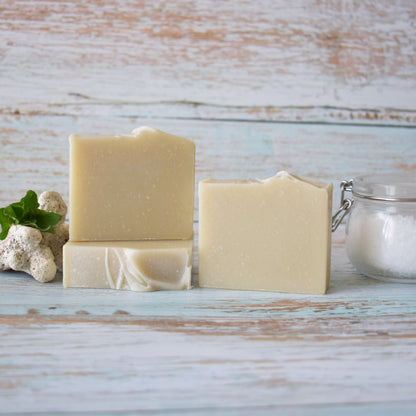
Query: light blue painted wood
(89, 350)
(268, 52)
(348, 297)
(209, 351)
(35, 150)
(368, 409)
(115, 365)
(340, 88)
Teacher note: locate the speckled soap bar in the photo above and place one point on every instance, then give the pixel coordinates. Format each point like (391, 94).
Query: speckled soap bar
(138, 186)
(272, 234)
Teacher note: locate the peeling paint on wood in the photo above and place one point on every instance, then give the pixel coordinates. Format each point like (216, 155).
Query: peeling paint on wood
(35, 149)
(324, 89)
(227, 364)
(337, 53)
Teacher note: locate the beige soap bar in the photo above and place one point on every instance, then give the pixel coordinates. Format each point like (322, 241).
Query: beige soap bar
(131, 187)
(141, 266)
(272, 235)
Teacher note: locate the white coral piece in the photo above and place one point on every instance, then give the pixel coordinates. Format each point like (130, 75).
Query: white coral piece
(52, 201)
(37, 253)
(23, 250)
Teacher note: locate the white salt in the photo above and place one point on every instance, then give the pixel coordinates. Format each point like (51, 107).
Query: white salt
(383, 243)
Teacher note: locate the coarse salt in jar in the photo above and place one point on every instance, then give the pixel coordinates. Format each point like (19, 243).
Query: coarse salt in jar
(381, 228)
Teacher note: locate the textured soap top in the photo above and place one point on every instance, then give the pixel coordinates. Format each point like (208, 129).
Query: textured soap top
(279, 177)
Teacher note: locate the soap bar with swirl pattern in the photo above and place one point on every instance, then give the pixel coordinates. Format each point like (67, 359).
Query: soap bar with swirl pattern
(141, 266)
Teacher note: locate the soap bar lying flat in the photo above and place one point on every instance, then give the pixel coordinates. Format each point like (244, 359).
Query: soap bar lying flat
(271, 235)
(141, 266)
(131, 187)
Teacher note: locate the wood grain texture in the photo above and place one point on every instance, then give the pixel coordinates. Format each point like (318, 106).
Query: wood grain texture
(347, 295)
(324, 89)
(138, 363)
(318, 53)
(35, 149)
(190, 364)
(205, 351)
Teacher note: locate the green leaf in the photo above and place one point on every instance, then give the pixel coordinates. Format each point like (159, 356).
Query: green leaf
(46, 220)
(29, 202)
(13, 213)
(5, 224)
(27, 212)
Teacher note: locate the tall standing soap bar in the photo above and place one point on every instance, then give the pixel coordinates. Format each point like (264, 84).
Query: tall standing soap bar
(138, 186)
(271, 235)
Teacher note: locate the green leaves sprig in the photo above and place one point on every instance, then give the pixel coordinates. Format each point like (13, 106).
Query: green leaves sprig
(27, 212)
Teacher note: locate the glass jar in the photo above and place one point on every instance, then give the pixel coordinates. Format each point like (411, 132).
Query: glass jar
(381, 228)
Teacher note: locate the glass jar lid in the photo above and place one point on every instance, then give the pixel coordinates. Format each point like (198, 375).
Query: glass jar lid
(386, 187)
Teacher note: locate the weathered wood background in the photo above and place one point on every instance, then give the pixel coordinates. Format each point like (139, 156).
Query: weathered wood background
(325, 89)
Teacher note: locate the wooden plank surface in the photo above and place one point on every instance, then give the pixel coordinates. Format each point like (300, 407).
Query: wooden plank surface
(35, 149)
(324, 89)
(202, 351)
(317, 53)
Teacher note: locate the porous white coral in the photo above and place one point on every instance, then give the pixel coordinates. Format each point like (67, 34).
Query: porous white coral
(52, 201)
(32, 251)
(23, 250)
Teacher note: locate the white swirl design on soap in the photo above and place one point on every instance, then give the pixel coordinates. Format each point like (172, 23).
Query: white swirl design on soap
(124, 273)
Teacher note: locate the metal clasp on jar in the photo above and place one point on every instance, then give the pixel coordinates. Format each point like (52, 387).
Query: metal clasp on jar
(345, 204)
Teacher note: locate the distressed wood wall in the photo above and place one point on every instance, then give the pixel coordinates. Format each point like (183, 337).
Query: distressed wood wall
(107, 66)
(322, 88)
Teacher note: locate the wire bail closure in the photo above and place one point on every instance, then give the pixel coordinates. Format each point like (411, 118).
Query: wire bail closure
(345, 204)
